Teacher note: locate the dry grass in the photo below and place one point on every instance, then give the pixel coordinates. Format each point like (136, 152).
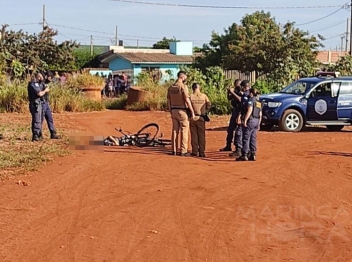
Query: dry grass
(18, 154)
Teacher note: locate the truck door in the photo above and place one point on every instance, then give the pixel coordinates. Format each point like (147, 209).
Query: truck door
(344, 101)
(322, 102)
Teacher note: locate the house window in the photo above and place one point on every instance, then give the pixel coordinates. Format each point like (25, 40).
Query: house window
(154, 72)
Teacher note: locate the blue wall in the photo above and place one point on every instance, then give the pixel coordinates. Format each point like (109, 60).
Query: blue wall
(181, 48)
(120, 64)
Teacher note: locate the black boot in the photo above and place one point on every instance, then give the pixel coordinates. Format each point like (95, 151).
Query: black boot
(54, 136)
(35, 138)
(226, 149)
(235, 153)
(252, 157)
(243, 157)
(40, 136)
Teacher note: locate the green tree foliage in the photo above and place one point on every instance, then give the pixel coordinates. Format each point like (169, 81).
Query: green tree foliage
(83, 58)
(164, 43)
(36, 51)
(259, 44)
(343, 65)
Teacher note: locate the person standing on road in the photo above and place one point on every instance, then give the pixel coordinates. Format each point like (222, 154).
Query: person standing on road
(36, 93)
(47, 113)
(251, 116)
(180, 107)
(234, 95)
(201, 104)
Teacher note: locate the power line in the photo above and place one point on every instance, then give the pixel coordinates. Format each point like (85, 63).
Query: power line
(342, 34)
(26, 24)
(321, 18)
(80, 29)
(227, 7)
(339, 23)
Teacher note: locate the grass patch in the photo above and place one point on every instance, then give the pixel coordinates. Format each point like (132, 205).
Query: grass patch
(116, 103)
(14, 98)
(18, 154)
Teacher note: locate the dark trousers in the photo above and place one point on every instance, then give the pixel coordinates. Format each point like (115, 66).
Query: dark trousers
(232, 129)
(250, 136)
(36, 111)
(47, 114)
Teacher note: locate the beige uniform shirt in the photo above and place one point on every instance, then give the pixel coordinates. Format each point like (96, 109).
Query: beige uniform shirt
(200, 102)
(178, 93)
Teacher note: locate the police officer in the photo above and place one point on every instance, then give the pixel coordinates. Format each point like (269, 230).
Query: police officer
(47, 114)
(234, 95)
(36, 93)
(201, 104)
(251, 116)
(180, 107)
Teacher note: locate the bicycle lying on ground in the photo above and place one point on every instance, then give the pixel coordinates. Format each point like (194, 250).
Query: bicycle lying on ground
(146, 136)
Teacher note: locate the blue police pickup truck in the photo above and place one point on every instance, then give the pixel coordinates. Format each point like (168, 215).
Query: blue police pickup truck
(322, 100)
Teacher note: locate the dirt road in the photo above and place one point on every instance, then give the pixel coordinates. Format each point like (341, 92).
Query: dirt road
(293, 204)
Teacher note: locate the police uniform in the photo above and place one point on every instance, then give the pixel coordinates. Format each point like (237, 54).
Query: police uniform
(36, 107)
(177, 94)
(47, 114)
(250, 131)
(201, 104)
(236, 105)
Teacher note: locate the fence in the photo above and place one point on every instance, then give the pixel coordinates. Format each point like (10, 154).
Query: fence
(234, 74)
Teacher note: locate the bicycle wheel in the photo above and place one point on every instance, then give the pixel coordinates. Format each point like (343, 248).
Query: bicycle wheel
(146, 135)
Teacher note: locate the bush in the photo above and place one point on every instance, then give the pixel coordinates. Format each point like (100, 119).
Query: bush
(118, 103)
(14, 98)
(85, 80)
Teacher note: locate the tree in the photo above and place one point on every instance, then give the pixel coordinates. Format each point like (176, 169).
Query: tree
(343, 65)
(164, 43)
(36, 51)
(259, 44)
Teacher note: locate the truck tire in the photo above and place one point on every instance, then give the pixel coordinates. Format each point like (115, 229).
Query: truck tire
(291, 121)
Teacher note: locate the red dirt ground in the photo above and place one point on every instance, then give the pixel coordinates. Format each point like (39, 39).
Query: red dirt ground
(293, 204)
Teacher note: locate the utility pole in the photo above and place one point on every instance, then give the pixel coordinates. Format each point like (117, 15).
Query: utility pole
(43, 17)
(91, 45)
(342, 38)
(351, 29)
(347, 29)
(116, 38)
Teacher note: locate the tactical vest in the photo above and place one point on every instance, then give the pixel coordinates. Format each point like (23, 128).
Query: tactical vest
(176, 97)
(257, 107)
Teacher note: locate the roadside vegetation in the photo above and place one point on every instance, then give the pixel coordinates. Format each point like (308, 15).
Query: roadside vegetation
(19, 155)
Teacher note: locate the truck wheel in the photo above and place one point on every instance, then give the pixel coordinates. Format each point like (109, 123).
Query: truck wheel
(335, 128)
(291, 121)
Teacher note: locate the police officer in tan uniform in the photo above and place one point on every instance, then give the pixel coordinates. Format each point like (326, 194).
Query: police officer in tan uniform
(179, 104)
(201, 105)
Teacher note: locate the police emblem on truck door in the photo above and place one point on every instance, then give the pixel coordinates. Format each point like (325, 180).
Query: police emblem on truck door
(321, 107)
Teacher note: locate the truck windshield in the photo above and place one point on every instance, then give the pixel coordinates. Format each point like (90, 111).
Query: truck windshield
(299, 87)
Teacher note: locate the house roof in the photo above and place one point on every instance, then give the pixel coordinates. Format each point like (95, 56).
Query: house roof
(330, 57)
(152, 58)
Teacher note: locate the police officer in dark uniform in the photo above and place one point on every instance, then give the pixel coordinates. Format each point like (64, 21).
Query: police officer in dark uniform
(47, 114)
(251, 116)
(234, 95)
(36, 93)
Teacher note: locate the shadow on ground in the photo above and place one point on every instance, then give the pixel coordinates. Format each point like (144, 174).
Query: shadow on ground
(210, 156)
(343, 154)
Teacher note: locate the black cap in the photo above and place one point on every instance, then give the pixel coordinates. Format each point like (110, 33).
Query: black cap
(244, 82)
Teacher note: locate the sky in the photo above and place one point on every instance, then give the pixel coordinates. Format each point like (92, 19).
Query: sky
(146, 24)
